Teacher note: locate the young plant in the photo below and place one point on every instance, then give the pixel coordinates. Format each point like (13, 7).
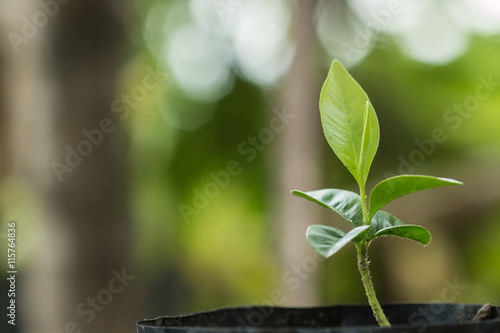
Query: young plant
(351, 128)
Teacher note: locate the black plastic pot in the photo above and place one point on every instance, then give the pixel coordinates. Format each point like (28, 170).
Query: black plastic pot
(405, 318)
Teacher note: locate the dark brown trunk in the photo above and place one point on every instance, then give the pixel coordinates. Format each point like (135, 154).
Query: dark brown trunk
(61, 84)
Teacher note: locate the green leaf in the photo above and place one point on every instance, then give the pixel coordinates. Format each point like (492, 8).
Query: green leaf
(349, 122)
(328, 240)
(385, 224)
(395, 187)
(346, 203)
(382, 220)
(413, 232)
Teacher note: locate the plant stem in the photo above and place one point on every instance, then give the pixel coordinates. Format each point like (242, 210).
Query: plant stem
(364, 270)
(363, 204)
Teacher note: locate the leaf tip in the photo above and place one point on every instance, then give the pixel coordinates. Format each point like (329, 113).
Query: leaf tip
(337, 65)
(336, 62)
(427, 239)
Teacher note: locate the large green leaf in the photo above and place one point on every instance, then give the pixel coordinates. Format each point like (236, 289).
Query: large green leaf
(346, 203)
(328, 240)
(349, 122)
(395, 187)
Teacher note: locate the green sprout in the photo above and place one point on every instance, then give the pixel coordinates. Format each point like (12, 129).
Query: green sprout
(351, 128)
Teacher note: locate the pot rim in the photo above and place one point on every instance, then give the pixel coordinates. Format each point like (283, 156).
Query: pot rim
(468, 322)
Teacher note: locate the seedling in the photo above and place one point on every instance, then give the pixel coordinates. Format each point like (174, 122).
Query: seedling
(351, 128)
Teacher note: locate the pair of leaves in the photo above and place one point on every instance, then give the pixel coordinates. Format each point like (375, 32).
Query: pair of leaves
(348, 204)
(327, 240)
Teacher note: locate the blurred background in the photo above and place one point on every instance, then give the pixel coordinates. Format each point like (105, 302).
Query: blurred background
(148, 150)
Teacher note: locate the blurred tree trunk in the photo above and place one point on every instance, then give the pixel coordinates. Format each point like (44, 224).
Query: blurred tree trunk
(61, 82)
(300, 163)
(3, 109)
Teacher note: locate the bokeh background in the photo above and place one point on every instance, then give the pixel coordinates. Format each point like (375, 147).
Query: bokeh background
(148, 150)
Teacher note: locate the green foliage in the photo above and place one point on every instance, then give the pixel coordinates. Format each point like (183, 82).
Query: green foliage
(395, 187)
(351, 128)
(349, 122)
(352, 131)
(327, 240)
(345, 203)
(385, 224)
(415, 232)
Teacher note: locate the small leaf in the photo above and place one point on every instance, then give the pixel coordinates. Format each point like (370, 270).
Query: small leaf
(385, 224)
(328, 240)
(395, 187)
(413, 232)
(382, 220)
(346, 203)
(349, 122)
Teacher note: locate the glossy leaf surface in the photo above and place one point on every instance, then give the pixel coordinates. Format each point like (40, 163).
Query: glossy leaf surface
(328, 240)
(409, 231)
(346, 203)
(382, 220)
(396, 187)
(349, 122)
(385, 224)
